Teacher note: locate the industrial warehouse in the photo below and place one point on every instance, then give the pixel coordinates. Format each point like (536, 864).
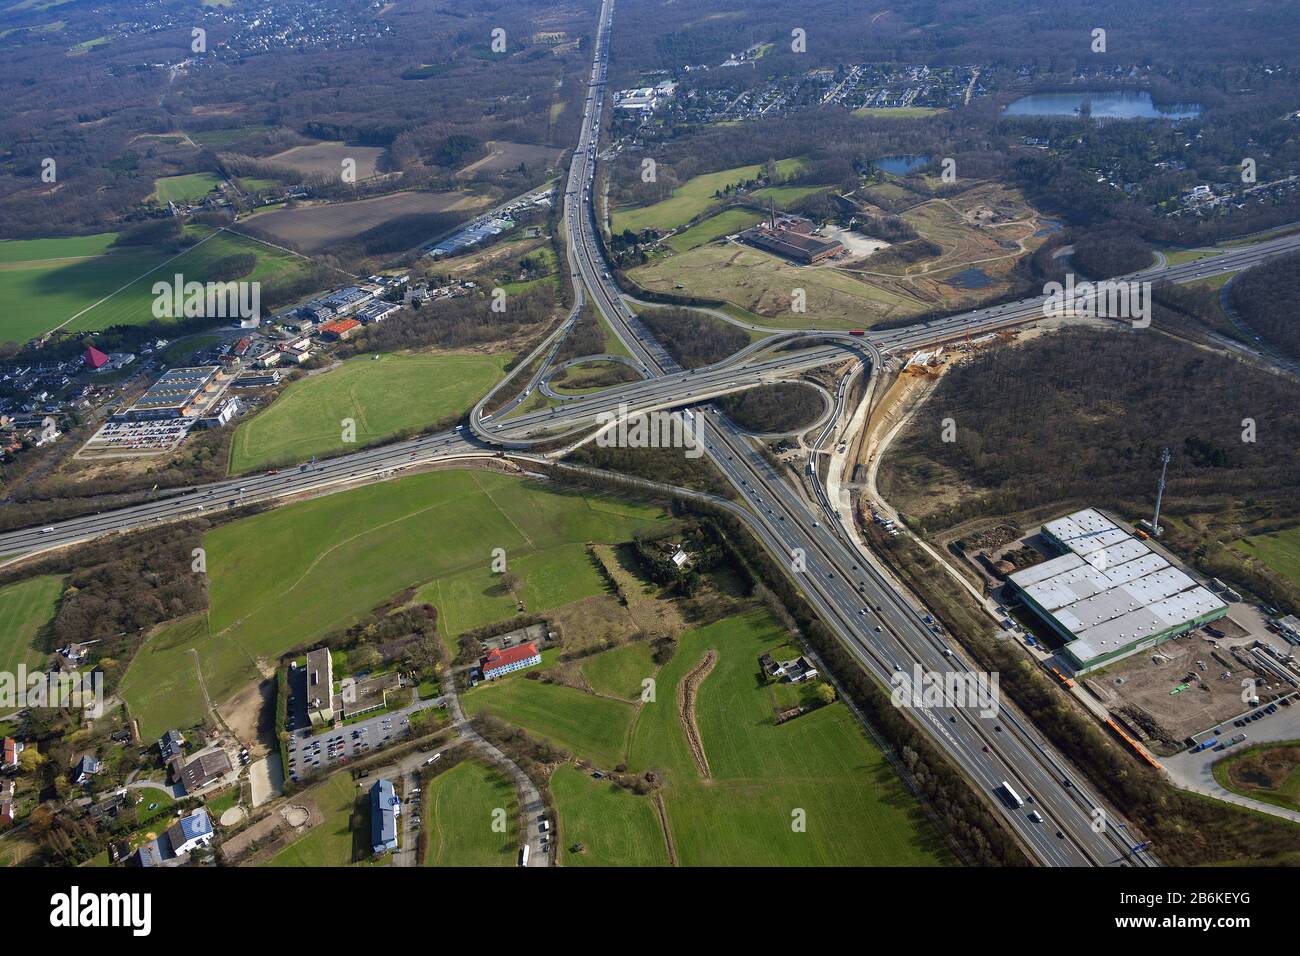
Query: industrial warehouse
(1108, 594)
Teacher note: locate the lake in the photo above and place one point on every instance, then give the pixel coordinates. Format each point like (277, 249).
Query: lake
(1115, 104)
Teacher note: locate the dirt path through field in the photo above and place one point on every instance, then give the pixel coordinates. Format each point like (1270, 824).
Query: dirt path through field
(686, 693)
(663, 823)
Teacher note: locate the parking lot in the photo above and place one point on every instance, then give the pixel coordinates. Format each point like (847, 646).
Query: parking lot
(311, 753)
(137, 437)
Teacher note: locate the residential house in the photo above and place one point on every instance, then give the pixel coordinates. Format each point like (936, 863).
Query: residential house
(172, 744)
(86, 768)
(189, 833)
(12, 749)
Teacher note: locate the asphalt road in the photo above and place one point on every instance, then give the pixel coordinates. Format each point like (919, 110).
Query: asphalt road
(874, 621)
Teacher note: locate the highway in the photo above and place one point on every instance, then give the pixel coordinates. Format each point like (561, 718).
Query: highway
(873, 620)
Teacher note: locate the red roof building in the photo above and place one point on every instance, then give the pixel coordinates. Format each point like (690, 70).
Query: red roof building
(94, 358)
(499, 663)
(12, 749)
(339, 328)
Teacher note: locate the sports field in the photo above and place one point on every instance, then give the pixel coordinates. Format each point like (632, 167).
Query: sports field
(383, 395)
(459, 819)
(85, 284)
(287, 576)
(898, 112)
(185, 188)
(343, 837)
(1280, 550)
(691, 198)
(25, 608)
(614, 826)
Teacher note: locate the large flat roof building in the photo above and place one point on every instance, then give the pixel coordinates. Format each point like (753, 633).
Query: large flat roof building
(177, 394)
(1109, 595)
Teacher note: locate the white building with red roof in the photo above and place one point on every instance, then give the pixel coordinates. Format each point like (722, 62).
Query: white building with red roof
(500, 662)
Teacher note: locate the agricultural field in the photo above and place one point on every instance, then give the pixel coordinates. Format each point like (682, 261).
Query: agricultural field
(503, 156)
(383, 395)
(335, 558)
(613, 826)
(313, 228)
(458, 817)
(1279, 550)
(1268, 772)
(326, 159)
(342, 838)
(84, 283)
(26, 607)
(185, 188)
(690, 199)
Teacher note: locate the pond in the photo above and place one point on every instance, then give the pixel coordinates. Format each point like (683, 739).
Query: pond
(900, 165)
(1113, 104)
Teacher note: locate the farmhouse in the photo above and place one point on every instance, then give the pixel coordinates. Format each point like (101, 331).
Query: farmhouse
(202, 770)
(384, 809)
(191, 832)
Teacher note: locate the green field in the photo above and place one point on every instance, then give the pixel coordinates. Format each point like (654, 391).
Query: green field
(85, 284)
(288, 576)
(819, 768)
(857, 812)
(619, 673)
(614, 826)
(691, 198)
(760, 283)
(161, 687)
(185, 188)
(1268, 772)
(725, 223)
(343, 837)
(549, 577)
(583, 724)
(458, 817)
(1280, 550)
(898, 112)
(383, 395)
(25, 608)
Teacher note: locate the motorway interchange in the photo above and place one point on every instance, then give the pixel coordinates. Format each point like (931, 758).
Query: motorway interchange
(1062, 823)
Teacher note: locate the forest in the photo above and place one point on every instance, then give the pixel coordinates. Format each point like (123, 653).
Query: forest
(1267, 298)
